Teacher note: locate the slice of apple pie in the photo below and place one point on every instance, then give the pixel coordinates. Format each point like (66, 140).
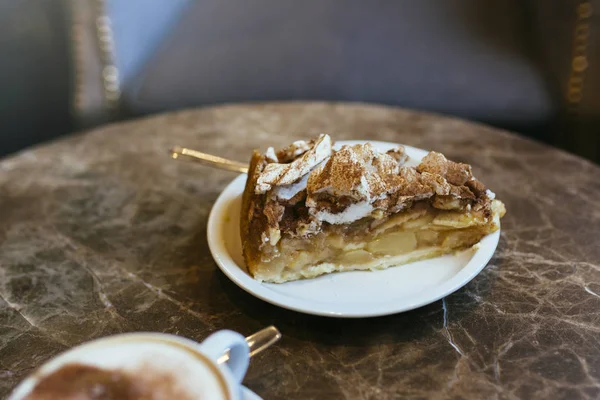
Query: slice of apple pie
(309, 210)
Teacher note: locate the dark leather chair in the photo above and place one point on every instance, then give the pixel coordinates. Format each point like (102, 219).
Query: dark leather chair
(34, 73)
(510, 63)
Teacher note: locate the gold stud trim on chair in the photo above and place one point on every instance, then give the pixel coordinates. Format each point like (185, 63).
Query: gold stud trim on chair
(96, 91)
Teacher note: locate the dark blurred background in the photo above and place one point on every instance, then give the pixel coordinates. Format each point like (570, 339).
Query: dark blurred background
(530, 66)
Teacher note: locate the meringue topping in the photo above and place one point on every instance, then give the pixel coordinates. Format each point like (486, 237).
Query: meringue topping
(358, 181)
(358, 172)
(277, 174)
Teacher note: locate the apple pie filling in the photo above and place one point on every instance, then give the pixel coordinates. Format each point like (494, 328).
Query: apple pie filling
(406, 237)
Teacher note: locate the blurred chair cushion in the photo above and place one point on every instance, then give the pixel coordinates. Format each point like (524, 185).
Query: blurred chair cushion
(464, 57)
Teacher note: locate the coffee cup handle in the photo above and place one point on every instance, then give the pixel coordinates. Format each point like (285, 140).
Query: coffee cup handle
(219, 342)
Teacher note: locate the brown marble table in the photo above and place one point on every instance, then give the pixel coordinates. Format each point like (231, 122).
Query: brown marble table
(102, 233)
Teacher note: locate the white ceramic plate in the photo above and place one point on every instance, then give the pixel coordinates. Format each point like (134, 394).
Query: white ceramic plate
(347, 294)
(249, 394)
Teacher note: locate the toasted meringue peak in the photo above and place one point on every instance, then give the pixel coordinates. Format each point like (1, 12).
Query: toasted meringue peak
(278, 174)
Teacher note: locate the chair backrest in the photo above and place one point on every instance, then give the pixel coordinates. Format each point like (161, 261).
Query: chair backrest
(34, 73)
(468, 58)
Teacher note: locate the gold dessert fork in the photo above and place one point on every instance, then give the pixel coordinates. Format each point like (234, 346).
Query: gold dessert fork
(182, 153)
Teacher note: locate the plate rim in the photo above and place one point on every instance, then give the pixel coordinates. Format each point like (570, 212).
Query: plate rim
(220, 254)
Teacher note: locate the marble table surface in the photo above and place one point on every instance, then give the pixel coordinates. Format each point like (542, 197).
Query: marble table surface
(103, 233)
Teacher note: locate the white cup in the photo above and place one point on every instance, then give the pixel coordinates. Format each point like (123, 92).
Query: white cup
(155, 365)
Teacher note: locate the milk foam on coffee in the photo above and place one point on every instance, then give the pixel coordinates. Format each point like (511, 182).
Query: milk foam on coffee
(148, 369)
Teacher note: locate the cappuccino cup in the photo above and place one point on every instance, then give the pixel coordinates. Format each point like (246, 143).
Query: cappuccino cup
(149, 366)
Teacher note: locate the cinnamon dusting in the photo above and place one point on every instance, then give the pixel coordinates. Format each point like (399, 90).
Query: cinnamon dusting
(353, 175)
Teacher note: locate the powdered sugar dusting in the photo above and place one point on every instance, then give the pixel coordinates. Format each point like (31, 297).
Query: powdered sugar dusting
(356, 172)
